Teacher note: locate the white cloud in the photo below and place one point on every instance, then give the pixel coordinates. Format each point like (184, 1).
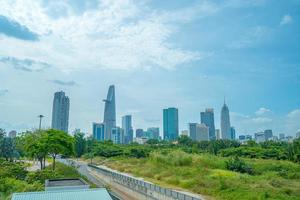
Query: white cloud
(293, 121)
(262, 111)
(261, 120)
(116, 34)
(286, 19)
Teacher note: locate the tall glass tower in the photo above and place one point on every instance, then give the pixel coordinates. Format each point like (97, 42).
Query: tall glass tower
(60, 111)
(225, 123)
(170, 123)
(207, 118)
(109, 112)
(127, 127)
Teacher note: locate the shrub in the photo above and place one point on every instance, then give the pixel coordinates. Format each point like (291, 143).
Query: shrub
(238, 165)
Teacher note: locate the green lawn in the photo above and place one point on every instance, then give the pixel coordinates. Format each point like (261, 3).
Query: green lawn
(206, 174)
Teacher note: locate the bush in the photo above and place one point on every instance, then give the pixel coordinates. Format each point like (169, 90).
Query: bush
(238, 165)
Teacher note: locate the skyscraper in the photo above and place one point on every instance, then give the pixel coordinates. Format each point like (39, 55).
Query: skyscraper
(153, 133)
(207, 118)
(139, 133)
(117, 135)
(127, 127)
(232, 131)
(60, 112)
(225, 123)
(198, 132)
(170, 123)
(99, 131)
(109, 112)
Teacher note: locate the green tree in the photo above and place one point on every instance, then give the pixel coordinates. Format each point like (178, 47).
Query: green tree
(79, 144)
(58, 142)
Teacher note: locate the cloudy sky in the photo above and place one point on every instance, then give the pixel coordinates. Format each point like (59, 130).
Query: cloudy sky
(184, 53)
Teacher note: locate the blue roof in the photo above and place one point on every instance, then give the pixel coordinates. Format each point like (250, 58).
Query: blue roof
(82, 194)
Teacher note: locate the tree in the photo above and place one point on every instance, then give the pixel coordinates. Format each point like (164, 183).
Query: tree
(58, 142)
(35, 147)
(79, 144)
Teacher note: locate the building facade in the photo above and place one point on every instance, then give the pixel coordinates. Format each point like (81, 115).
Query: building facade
(127, 127)
(225, 123)
(117, 135)
(60, 111)
(218, 134)
(139, 133)
(109, 112)
(232, 131)
(99, 131)
(198, 132)
(170, 124)
(207, 118)
(153, 133)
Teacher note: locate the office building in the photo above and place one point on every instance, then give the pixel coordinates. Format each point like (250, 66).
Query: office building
(207, 118)
(298, 134)
(127, 127)
(117, 135)
(268, 134)
(109, 112)
(225, 123)
(232, 131)
(260, 137)
(153, 133)
(281, 136)
(198, 132)
(140, 140)
(139, 133)
(99, 131)
(170, 124)
(60, 111)
(218, 134)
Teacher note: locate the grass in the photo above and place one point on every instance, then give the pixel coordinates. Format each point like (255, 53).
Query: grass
(207, 175)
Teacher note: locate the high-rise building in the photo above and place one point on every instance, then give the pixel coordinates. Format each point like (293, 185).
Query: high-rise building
(198, 132)
(232, 131)
(281, 136)
(109, 112)
(153, 132)
(218, 134)
(268, 134)
(170, 124)
(225, 123)
(185, 132)
(260, 137)
(117, 135)
(60, 112)
(139, 133)
(207, 118)
(127, 127)
(99, 131)
(298, 134)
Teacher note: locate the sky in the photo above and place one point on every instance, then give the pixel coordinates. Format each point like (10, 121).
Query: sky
(188, 54)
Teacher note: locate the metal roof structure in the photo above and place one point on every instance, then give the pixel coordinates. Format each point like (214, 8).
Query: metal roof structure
(81, 194)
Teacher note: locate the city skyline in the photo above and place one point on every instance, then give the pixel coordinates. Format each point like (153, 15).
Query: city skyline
(246, 51)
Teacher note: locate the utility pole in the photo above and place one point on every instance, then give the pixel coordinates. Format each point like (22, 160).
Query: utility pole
(40, 116)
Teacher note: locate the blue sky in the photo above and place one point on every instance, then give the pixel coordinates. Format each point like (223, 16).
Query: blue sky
(188, 54)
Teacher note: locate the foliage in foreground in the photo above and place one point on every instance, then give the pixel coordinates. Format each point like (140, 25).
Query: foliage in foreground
(215, 176)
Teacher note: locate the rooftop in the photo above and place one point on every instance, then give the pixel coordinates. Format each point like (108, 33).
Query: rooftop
(65, 182)
(82, 194)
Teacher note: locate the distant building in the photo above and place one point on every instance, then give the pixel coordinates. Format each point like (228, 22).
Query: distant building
(207, 118)
(244, 138)
(281, 136)
(170, 124)
(12, 134)
(268, 134)
(99, 131)
(232, 131)
(60, 111)
(260, 137)
(218, 134)
(109, 112)
(117, 135)
(298, 134)
(185, 132)
(139, 133)
(140, 140)
(153, 133)
(198, 132)
(76, 130)
(225, 123)
(127, 127)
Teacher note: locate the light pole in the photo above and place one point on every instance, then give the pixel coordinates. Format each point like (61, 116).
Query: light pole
(40, 116)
